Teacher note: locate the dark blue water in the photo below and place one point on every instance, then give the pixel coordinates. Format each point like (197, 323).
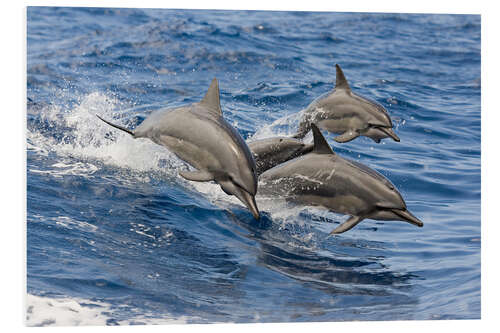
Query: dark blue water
(110, 221)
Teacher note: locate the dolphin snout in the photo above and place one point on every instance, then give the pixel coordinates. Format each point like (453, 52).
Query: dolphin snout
(390, 132)
(248, 199)
(405, 215)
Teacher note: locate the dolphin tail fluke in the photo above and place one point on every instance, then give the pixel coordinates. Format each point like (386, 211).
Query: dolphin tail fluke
(197, 176)
(347, 225)
(405, 215)
(117, 126)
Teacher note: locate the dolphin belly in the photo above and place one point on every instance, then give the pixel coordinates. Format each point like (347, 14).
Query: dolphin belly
(344, 119)
(189, 152)
(336, 126)
(327, 190)
(344, 204)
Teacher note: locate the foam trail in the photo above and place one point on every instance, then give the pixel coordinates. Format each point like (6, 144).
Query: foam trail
(47, 311)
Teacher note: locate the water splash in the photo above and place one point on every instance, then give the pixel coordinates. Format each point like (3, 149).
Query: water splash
(79, 138)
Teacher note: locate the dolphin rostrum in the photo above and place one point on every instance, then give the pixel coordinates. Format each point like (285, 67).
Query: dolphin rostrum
(343, 112)
(323, 178)
(270, 152)
(199, 135)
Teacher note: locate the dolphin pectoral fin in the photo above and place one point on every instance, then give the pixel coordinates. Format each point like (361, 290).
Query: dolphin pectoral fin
(225, 191)
(197, 176)
(347, 225)
(346, 136)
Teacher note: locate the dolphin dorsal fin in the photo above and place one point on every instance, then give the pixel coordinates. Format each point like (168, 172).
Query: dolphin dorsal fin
(212, 98)
(341, 82)
(320, 144)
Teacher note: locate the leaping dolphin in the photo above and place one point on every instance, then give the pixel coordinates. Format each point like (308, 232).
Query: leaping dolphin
(323, 178)
(199, 135)
(343, 112)
(270, 152)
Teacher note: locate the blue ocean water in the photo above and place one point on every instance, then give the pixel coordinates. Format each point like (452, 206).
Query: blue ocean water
(112, 227)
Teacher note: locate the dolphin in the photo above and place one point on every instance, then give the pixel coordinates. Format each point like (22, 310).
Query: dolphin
(343, 112)
(199, 135)
(270, 152)
(323, 178)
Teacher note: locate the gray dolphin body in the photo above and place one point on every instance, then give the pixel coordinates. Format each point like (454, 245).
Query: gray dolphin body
(343, 112)
(270, 152)
(323, 178)
(199, 135)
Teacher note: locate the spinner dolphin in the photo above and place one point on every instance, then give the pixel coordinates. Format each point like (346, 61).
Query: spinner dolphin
(199, 135)
(344, 112)
(323, 178)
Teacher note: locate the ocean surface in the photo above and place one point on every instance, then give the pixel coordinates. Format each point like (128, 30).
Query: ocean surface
(116, 237)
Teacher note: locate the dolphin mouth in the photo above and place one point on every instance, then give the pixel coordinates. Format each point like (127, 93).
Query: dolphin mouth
(245, 197)
(390, 132)
(408, 217)
(249, 201)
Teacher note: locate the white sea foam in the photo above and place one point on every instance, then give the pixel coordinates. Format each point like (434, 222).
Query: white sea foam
(280, 210)
(90, 138)
(64, 222)
(284, 126)
(61, 169)
(47, 311)
(44, 311)
(71, 223)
